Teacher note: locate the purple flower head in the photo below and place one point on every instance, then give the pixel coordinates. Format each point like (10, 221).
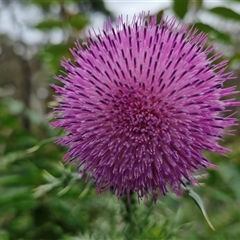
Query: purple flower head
(141, 103)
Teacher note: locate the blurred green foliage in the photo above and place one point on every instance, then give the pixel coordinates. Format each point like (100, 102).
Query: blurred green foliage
(40, 198)
(180, 8)
(225, 13)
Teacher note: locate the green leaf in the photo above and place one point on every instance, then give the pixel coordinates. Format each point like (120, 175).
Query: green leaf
(53, 54)
(230, 174)
(12, 157)
(225, 13)
(199, 202)
(78, 21)
(15, 193)
(49, 24)
(40, 144)
(11, 179)
(234, 63)
(23, 178)
(43, 189)
(55, 51)
(18, 155)
(199, 3)
(180, 7)
(159, 16)
(213, 33)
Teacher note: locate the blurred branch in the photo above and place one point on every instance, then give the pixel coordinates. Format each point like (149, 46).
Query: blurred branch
(25, 89)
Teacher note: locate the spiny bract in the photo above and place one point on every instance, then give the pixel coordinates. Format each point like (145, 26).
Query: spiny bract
(141, 103)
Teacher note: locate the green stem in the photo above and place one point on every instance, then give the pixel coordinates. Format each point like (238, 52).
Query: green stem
(129, 216)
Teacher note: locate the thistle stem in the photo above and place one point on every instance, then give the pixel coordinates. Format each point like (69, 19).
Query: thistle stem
(129, 203)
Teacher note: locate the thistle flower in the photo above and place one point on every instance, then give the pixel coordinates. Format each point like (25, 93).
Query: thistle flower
(141, 103)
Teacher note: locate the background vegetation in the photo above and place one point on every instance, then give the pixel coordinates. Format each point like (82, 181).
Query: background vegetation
(40, 198)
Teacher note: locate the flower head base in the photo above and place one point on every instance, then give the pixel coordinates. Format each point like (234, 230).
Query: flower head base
(141, 103)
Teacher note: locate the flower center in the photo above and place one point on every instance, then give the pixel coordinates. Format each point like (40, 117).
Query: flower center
(138, 115)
